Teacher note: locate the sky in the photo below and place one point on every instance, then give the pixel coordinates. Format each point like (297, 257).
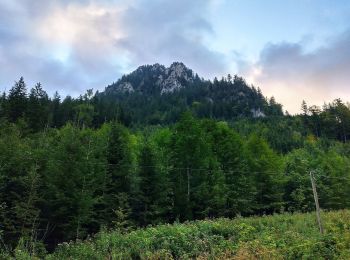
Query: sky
(293, 50)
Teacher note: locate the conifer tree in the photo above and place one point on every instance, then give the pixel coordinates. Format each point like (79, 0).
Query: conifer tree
(17, 100)
(190, 155)
(118, 183)
(38, 105)
(228, 147)
(153, 186)
(265, 166)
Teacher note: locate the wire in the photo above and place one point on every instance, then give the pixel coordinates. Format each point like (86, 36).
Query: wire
(207, 170)
(175, 168)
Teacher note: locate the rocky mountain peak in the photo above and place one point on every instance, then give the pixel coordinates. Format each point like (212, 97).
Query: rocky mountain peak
(156, 77)
(179, 69)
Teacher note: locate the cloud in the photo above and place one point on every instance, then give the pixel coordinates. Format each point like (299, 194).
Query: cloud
(176, 31)
(63, 44)
(73, 45)
(291, 74)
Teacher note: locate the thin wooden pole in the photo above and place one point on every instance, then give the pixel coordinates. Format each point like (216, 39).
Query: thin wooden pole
(188, 184)
(318, 212)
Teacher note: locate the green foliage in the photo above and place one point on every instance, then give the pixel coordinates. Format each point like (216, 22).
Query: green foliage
(287, 236)
(70, 168)
(154, 189)
(119, 176)
(239, 190)
(330, 164)
(121, 219)
(19, 183)
(17, 100)
(266, 168)
(187, 148)
(64, 184)
(38, 112)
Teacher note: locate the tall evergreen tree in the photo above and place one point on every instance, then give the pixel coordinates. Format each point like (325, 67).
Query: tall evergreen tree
(38, 108)
(118, 182)
(19, 181)
(190, 161)
(240, 189)
(17, 100)
(3, 105)
(55, 120)
(153, 186)
(266, 168)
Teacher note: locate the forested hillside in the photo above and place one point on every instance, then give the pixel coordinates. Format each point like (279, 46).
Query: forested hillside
(154, 94)
(150, 95)
(146, 152)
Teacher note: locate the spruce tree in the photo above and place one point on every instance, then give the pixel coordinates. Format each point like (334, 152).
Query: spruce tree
(38, 105)
(190, 155)
(265, 165)
(153, 186)
(17, 100)
(118, 182)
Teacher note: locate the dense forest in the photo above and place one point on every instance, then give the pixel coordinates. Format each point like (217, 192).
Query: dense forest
(126, 159)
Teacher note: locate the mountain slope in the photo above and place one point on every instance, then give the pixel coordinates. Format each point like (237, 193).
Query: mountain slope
(154, 94)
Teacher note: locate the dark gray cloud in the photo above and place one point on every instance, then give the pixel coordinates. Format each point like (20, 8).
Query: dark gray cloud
(292, 74)
(73, 45)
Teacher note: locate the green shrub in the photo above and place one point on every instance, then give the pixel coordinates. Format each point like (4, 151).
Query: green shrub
(285, 236)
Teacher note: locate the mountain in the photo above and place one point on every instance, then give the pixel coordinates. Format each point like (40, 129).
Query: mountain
(149, 79)
(155, 94)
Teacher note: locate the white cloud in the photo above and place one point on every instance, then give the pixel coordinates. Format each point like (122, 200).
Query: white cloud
(75, 45)
(292, 74)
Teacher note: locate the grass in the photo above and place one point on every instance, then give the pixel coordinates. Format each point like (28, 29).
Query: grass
(285, 236)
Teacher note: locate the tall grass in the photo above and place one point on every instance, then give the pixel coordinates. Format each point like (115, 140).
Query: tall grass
(285, 236)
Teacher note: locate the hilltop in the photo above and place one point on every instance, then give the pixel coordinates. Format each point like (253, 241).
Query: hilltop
(154, 94)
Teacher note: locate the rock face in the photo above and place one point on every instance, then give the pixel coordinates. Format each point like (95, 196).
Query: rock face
(125, 87)
(176, 74)
(257, 113)
(154, 79)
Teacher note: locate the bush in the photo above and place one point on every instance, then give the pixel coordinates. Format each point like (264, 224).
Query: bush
(285, 236)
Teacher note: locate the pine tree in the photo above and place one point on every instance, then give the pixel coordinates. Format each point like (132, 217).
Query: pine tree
(3, 105)
(228, 147)
(304, 108)
(190, 152)
(38, 105)
(27, 210)
(19, 181)
(153, 187)
(71, 182)
(17, 100)
(55, 120)
(118, 183)
(265, 166)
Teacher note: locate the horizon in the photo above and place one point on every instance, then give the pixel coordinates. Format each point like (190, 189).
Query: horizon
(292, 50)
